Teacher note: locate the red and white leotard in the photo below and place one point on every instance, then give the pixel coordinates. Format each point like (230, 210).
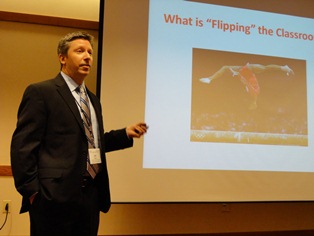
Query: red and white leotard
(248, 78)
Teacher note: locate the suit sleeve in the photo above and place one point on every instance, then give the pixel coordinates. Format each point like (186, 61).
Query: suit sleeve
(113, 140)
(26, 141)
(117, 140)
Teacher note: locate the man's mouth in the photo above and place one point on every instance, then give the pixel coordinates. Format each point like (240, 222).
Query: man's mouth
(85, 65)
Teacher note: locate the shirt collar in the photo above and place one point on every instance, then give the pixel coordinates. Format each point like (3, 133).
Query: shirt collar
(70, 82)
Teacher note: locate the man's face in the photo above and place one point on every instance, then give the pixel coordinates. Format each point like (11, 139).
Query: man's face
(78, 61)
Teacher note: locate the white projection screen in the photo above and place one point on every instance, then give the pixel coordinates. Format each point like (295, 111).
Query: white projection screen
(227, 89)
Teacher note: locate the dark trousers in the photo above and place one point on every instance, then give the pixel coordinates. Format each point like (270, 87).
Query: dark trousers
(48, 218)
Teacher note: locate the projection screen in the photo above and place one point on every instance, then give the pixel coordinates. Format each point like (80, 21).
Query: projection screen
(227, 91)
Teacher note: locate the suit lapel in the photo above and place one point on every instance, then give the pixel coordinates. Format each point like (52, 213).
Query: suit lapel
(95, 105)
(68, 98)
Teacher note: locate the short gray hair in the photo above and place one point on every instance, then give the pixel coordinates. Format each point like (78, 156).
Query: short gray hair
(64, 42)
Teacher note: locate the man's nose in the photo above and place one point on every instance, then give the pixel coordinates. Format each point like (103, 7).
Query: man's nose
(88, 56)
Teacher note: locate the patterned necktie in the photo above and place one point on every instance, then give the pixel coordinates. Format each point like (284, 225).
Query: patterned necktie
(92, 169)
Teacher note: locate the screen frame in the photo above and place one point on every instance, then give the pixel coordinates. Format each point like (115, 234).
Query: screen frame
(99, 75)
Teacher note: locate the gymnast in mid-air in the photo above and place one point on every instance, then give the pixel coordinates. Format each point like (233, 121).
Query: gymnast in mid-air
(247, 76)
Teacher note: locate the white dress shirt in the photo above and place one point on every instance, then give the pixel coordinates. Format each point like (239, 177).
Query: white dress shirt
(72, 86)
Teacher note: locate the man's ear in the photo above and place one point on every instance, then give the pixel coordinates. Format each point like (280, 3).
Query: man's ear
(62, 59)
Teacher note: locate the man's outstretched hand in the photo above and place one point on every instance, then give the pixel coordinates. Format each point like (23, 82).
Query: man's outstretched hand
(136, 130)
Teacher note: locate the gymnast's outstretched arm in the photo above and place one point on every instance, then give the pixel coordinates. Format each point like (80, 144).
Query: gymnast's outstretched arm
(258, 68)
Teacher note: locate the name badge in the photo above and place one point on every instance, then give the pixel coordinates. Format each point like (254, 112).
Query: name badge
(94, 155)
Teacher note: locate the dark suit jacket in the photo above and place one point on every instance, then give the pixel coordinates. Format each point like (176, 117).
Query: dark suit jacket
(49, 146)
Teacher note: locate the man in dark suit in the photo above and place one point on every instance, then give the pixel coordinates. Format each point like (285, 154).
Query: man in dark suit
(51, 148)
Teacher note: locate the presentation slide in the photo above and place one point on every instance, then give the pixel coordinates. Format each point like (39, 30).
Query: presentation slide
(228, 89)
